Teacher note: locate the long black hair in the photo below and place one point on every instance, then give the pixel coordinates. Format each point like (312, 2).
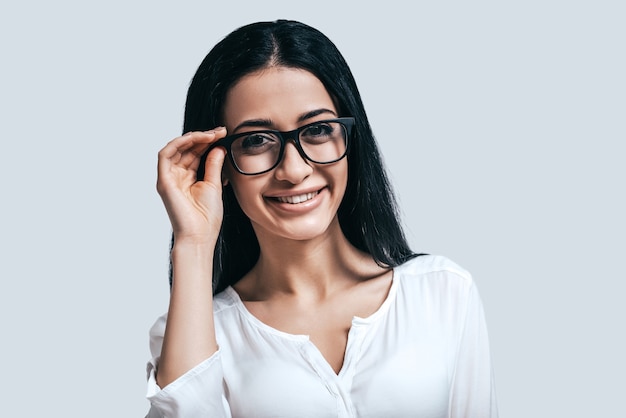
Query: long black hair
(368, 214)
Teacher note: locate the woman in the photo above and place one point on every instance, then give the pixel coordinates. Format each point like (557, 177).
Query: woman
(293, 290)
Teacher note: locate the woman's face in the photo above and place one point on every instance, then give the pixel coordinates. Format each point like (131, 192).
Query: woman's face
(298, 199)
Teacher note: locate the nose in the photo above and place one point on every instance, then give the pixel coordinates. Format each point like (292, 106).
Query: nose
(293, 167)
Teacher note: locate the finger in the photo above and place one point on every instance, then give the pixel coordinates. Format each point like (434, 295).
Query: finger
(196, 141)
(185, 151)
(213, 165)
(191, 158)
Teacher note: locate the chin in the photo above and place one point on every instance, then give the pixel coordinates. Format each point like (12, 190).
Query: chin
(302, 230)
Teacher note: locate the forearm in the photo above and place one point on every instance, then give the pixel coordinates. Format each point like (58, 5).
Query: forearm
(190, 331)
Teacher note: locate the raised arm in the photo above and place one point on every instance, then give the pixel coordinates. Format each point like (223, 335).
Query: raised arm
(195, 211)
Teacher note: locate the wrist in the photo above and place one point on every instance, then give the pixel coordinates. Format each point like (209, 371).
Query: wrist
(197, 241)
(193, 245)
(191, 260)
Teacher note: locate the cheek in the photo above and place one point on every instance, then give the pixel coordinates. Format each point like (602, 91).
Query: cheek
(342, 175)
(339, 175)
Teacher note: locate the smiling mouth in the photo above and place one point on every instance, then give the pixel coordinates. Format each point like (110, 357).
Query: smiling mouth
(301, 198)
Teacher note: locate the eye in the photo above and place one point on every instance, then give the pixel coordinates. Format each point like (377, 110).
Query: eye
(318, 131)
(256, 143)
(321, 133)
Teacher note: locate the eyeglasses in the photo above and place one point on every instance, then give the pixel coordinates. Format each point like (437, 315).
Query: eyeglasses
(257, 152)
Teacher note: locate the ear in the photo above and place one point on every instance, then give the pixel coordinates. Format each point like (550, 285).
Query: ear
(224, 178)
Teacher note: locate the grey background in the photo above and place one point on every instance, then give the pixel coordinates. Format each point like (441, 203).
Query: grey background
(502, 125)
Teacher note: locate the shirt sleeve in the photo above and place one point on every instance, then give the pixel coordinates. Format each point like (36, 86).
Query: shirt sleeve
(473, 391)
(197, 393)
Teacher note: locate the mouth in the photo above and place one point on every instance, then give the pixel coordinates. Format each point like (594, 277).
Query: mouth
(295, 199)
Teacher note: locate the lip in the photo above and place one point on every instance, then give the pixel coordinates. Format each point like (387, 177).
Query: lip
(289, 193)
(304, 206)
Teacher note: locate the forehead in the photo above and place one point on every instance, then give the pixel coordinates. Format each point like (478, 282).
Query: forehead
(279, 94)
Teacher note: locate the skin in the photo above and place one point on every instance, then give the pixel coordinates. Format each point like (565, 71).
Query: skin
(309, 279)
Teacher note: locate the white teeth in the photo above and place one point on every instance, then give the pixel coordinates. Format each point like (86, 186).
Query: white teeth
(297, 199)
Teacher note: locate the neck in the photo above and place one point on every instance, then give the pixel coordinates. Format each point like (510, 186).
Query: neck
(308, 268)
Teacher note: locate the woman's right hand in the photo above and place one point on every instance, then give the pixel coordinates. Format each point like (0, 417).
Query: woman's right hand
(194, 207)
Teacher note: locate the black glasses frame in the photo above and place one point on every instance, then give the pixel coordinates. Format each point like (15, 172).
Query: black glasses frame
(226, 142)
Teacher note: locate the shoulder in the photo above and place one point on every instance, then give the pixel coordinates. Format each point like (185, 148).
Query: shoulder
(224, 301)
(224, 306)
(228, 311)
(436, 288)
(433, 274)
(428, 264)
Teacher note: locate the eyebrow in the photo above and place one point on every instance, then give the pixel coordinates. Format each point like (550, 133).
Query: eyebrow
(266, 123)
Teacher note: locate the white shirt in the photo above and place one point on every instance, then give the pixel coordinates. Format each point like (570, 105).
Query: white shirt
(424, 353)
